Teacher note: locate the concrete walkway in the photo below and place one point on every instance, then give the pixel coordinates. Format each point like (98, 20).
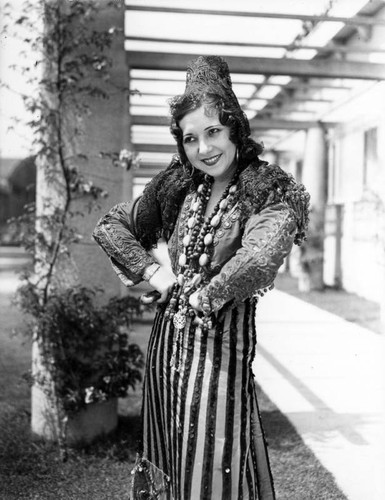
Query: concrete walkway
(328, 376)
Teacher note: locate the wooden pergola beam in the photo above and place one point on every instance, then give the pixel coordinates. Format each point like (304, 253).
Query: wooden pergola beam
(301, 85)
(286, 108)
(314, 68)
(353, 21)
(148, 170)
(300, 98)
(330, 47)
(298, 85)
(255, 124)
(168, 95)
(153, 120)
(155, 148)
(294, 97)
(282, 124)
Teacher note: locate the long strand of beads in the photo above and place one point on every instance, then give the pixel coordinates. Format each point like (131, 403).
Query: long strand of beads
(185, 285)
(194, 259)
(185, 272)
(193, 245)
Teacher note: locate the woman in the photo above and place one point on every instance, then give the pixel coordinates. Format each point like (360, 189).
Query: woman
(227, 220)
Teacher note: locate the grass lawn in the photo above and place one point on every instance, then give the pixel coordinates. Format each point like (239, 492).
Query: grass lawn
(31, 469)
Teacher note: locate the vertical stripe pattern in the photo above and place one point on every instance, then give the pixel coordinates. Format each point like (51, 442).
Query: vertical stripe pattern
(201, 423)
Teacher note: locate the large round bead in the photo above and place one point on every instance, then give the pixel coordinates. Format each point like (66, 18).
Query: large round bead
(191, 222)
(180, 279)
(208, 239)
(200, 188)
(233, 189)
(215, 221)
(186, 240)
(182, 259)
(203, 260)
(223, 204)
(195, 206)
(197, 278)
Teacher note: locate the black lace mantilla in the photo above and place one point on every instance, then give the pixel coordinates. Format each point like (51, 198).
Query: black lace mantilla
(260, 185)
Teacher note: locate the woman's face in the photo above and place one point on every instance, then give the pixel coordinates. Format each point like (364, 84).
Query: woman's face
(207, 143)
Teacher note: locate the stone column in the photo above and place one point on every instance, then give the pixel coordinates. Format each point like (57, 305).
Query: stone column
(127, 143)
(54, 268)
(314, 177)
(106, 130)
(61, 269)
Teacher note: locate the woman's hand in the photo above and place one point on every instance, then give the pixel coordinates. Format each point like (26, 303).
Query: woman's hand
(194, 301)
(163, 281)
(160, 253)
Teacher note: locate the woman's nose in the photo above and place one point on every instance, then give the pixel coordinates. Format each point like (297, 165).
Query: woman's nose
(204, 146)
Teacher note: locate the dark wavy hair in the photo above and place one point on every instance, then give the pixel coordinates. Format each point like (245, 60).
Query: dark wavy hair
(230, 115)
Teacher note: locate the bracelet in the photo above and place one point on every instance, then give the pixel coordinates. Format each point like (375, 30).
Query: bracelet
(204, 303)
(150, 271)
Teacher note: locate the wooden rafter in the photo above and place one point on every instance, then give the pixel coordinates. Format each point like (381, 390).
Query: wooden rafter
(149, 120)
(255, 123)
(294, 97)
(168, 95)
(317, 68)
(275, 107)
(331, 47)
(155, 148)
(282, 124)
(293, 85)
(148, 170)
(300, 98)
(354, 21)
(310, 85)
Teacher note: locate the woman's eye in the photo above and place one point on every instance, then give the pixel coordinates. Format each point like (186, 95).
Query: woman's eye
(188, 139)
(213, 131)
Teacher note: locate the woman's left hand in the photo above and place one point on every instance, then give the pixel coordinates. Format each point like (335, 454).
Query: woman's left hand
(194, 301)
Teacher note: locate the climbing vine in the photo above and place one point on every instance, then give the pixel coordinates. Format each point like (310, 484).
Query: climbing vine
(70, 68)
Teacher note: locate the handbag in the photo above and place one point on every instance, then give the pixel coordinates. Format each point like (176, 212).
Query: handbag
(148, 481)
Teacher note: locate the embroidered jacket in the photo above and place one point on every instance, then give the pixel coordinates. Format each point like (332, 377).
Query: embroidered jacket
(247, 252)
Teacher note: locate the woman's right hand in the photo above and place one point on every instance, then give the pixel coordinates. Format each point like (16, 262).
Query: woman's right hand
(163, 281)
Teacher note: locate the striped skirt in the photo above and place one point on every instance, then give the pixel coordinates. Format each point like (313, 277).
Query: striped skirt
(201, 424)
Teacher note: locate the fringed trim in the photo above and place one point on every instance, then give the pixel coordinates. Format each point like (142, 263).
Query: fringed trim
(260, 185)
(298, 199)
(159, 205)
(267, 185)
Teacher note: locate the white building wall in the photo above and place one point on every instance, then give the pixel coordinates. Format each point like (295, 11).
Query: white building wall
(359, 186)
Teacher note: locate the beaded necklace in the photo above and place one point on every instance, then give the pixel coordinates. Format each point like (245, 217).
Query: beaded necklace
(195, 258)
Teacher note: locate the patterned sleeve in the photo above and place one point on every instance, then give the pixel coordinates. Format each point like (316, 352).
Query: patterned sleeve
(115, 233)
(267, 240)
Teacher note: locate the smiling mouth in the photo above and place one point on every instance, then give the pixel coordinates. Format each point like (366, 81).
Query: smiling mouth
(211, 161)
